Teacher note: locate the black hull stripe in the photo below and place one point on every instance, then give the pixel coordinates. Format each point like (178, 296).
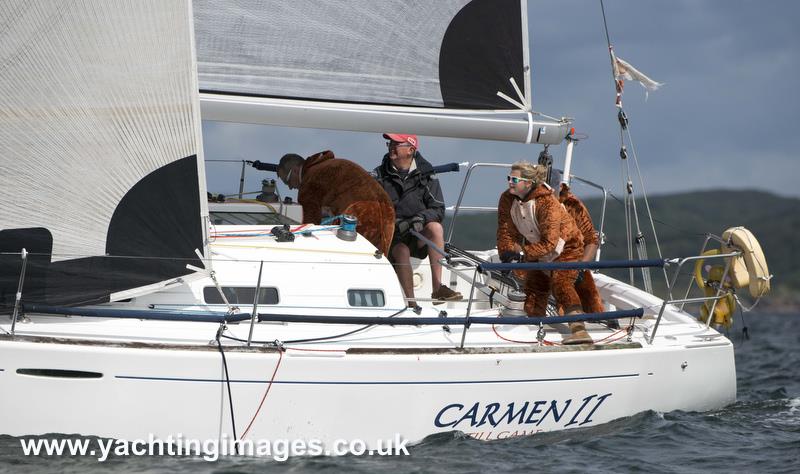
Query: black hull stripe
(312, 382)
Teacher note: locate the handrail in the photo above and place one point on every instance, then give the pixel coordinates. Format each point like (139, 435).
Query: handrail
(452, 225)
(685, 299)
(701, 299)
(573, 265)
(157, 315)
(458, 207)
(681, 261)
(216, 317)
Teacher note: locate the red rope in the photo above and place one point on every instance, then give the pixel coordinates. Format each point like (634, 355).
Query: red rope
(623, 332)
(494, 328)
(280, 358)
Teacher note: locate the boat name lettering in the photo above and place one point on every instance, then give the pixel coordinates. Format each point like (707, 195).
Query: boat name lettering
(569, 412)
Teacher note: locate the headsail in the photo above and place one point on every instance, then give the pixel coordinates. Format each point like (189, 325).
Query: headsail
(99, 145)
(433, 68)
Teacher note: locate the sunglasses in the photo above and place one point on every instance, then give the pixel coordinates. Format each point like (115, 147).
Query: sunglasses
(288, 176)
(391, 145)
(517, 179)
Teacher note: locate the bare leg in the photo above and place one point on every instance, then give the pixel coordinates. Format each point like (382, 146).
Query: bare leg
(435, 233)
(401, 258)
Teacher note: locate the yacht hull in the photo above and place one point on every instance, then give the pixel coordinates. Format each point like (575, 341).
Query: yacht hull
(135, 391)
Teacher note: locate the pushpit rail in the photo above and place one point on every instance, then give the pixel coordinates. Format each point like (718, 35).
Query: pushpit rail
(721, 292)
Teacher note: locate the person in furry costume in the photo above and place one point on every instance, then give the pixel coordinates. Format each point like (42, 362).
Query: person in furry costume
(587, 291)
(330, 186)
(533, 226)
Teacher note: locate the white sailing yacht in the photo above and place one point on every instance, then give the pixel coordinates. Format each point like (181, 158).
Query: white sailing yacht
(127, 312)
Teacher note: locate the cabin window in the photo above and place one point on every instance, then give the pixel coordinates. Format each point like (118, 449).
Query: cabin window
(240, 295)
(248, 218)
(368, 298)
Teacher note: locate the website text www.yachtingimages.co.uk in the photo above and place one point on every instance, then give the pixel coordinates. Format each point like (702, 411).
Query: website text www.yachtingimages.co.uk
(210, 449)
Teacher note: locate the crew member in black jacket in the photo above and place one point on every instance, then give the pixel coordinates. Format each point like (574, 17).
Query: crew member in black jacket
(418, 205)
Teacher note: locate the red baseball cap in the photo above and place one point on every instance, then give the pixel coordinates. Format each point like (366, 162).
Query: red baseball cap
(402, 138)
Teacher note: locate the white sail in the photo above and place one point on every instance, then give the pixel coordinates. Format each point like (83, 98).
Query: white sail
(445, 68)
(99, 133)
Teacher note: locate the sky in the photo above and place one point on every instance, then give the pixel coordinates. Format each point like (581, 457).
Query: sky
(725, 117)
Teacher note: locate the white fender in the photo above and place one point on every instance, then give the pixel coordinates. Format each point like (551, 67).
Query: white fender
(750, 269)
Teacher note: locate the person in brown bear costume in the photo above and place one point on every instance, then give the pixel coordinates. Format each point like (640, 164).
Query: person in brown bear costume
(585, 287)
(533, 226)
(333, 186)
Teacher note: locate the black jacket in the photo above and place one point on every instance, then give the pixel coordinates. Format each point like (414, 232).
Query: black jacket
(419, 194)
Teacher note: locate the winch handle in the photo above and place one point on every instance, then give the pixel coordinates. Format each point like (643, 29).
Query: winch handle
(445, 168)
(263, 166)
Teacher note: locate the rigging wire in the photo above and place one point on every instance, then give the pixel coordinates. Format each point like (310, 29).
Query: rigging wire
(624, 167)
(313, 339)
(227, 382)
(631, 212)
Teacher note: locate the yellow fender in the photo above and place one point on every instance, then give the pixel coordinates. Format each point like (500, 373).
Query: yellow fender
(750, 269)
(698, 268)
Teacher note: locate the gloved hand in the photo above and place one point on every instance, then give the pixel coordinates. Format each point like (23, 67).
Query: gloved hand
(509, 256)
(403, 226)
(255, 164)
(417, 223)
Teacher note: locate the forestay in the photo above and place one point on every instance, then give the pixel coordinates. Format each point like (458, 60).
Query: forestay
(99, 145)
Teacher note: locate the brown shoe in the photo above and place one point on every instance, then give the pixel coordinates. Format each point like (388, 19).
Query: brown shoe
(578, 336)
(445, 294)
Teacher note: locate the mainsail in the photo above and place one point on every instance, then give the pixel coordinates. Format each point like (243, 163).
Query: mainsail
(444, 68)
(99, 146)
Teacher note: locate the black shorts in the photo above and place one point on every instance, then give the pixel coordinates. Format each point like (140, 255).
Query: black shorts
(412, 242)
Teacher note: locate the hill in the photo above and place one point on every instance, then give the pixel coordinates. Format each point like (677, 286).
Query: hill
(682, 222)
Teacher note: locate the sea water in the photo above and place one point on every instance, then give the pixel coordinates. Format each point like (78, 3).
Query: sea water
(758, 433)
